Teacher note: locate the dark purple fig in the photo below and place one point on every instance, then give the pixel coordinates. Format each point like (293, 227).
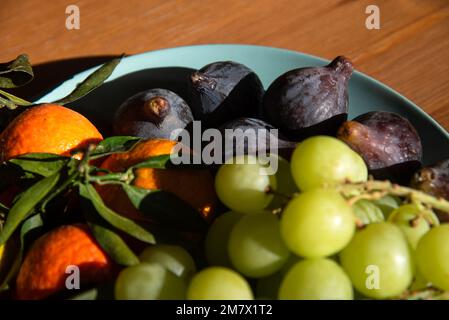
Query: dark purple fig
(253, 136)
(387, 142)
(433, 179)
(309, 101)
(150, 114)
(222, 91)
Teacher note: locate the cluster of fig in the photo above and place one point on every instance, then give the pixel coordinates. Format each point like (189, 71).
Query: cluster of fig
(300, 103)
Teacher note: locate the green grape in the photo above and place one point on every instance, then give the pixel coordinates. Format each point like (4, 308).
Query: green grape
(432, 256)
(414, 226)
(174, 258)
(317, 223)
(217, 239)
(387, 204)
(316, 279)
(324, 160)
(368, 212)
(285, 183)
(242, 184)
(255, 246)
(268, 287)
(218, 283)
(149, 281)
(378, 261)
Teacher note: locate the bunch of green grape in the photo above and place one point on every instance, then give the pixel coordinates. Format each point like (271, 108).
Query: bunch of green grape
(292, 235)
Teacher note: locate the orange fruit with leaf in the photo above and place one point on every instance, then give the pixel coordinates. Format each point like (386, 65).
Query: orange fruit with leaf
(47, 128)
(194, 186)
(44, 270)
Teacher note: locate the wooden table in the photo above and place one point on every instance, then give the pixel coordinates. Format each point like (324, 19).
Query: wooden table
(410, 51)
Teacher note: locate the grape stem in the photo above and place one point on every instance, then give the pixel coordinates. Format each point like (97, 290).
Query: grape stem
(270, 190)
(374, 190)
(425, 294)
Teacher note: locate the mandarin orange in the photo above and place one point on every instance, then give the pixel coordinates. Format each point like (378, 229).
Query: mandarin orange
(194, 186)
(48, 128)
(44, 269)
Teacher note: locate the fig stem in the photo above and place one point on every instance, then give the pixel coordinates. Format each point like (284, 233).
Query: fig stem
(200, 80)
(375, 189)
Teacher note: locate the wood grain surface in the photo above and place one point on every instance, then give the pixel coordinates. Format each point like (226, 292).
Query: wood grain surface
(410, 51)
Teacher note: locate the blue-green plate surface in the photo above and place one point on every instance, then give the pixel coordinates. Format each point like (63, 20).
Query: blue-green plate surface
(170, 68)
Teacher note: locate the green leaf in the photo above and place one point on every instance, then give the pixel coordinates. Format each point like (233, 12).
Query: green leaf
(26, 204)
(7, 103)
(157, 162)
(120, 222)
(114, 145)
(16, 73)
(44, 164)
(136, 194)
(92, 82)
(16, 100)
(3, 208)
(165, 208)
(113, 244)
(32, 224)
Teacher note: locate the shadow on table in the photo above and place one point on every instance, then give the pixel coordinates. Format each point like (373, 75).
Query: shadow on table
(99, 105)
(50, 74)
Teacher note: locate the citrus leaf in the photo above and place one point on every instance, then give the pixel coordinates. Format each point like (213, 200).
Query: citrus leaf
(7, 103)
(26, 203)
(157, 162)
(120, 222)
(113, 244)
(3, 208)
(92, 82)
(114, 145)
(16, 73)
(165, 208)
(44, 164)
(16, 100)
(136, 194)
(33, 223)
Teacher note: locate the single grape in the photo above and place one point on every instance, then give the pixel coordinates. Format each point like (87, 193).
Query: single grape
(317, 223)
(218, 283)
(217, 239)
(243, 184)
(408, 219)
(387, 204)
(378, 261)
(316, 279)
(149, 281)
(174, 258)
(432, 256)
(268, 287)
(255, 246)
(324, 160)
(286, 186)
(368, 212)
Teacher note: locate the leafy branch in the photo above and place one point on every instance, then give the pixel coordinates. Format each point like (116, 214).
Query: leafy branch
(52, 176)
(19, 72)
